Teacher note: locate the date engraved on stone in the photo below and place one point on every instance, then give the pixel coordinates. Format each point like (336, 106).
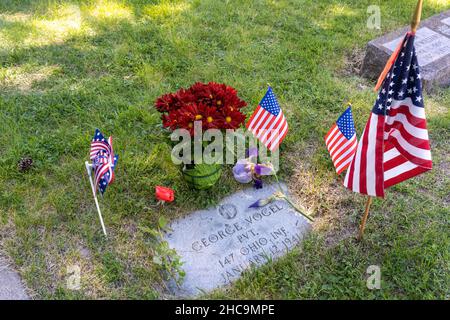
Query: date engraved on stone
(218, 244)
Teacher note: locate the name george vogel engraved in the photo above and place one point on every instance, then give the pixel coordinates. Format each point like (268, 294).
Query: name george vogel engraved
(218, 244)
(231, 229)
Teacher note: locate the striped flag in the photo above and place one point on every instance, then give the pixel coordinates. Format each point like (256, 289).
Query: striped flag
(341, 141)
(394, 145)
(103, 161)
(267, 122)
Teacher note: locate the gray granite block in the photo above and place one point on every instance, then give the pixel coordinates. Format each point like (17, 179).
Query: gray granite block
(11, 287)
(432, 46)
(218, 244)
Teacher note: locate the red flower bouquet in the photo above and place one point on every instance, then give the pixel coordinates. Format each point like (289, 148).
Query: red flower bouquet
(215, 106)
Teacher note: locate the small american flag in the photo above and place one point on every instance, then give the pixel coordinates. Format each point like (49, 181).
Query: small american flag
(394, 145)
(267, 122)
(341, 141)
(103, 161)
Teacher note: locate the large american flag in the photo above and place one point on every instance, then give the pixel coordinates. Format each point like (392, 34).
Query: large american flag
(103, 161)
(394, 145)
(341, 141)
(267, 122)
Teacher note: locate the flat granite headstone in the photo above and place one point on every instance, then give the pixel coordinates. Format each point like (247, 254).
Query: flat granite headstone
(218, 244)
(432, 47)
(11, 287)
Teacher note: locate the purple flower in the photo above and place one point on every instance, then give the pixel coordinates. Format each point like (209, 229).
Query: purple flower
(242, 171)
(257, 183)
(278, 195)
(263, 170)
(265, 201)
(247, 170)
(259, 203)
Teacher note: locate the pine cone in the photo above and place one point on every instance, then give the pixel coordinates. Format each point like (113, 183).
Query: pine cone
(25, 164)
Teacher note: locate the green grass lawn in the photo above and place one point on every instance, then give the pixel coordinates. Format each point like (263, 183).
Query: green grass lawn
(67, 67)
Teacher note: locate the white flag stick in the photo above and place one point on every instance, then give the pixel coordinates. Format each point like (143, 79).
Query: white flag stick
(89, 171)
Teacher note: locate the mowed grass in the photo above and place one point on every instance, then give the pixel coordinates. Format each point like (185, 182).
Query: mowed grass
(68, 67)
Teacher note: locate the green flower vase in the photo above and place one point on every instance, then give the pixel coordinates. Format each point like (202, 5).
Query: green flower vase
(202, 176)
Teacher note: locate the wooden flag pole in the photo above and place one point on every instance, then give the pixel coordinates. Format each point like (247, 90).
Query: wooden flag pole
(362, 227)
(416, 17)
(89, 171)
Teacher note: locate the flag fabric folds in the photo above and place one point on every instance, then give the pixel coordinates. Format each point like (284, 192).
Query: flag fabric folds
(267, 122)
(341, 141)
(394, 145)
(103, 161)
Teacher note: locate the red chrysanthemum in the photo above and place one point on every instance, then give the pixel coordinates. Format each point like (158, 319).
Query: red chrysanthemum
(170, 120)
(216, 105)
(185, 117)
(212, 119)
(232, 118)
(217, 95)
(231, 99)
(168, 102)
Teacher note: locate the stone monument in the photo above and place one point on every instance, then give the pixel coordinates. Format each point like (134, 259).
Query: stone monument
(11, 287)
(433, 51)
(218, 244)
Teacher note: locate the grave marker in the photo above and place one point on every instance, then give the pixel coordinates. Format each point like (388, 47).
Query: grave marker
(433, 51)
(218, 244)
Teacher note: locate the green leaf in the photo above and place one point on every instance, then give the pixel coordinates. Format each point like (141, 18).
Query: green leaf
(162, 222)
(152, 232)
